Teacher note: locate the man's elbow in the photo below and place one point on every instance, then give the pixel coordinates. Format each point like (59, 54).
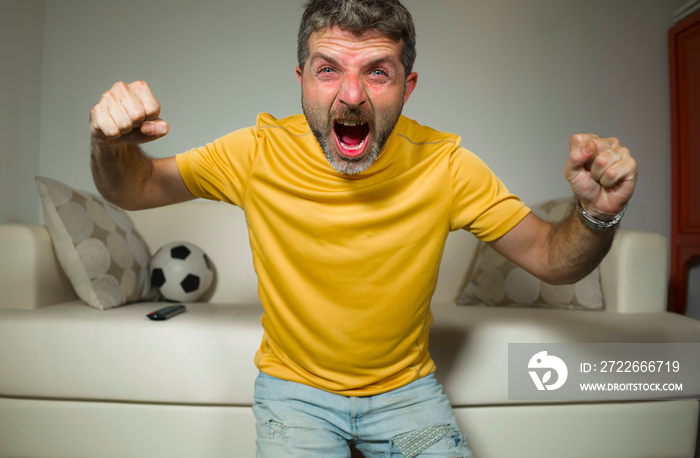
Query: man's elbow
(566, 275)
(558, 278)
(118, 198)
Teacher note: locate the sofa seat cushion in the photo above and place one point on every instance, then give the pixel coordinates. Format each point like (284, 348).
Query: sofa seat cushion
(205, 356)
(71, 351)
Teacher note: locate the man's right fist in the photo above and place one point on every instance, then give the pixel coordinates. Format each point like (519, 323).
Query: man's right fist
(127, 113)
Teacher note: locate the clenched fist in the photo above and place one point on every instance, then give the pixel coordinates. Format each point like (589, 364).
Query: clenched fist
(602, 174)
(127, 113)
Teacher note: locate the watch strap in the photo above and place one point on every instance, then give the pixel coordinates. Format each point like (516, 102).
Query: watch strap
(598, 225)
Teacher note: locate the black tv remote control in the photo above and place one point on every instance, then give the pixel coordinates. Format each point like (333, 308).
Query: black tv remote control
(167, 312)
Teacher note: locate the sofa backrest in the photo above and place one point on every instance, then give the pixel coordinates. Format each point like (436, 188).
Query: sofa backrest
(220, 230)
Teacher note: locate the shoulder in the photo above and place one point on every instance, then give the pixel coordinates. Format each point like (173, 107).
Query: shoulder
(295, 125)
(460, 159)
(418, 134)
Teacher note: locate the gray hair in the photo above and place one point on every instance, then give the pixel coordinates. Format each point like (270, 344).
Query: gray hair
(388, 17)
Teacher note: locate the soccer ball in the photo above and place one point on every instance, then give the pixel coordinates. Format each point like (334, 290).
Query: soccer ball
(181, 272)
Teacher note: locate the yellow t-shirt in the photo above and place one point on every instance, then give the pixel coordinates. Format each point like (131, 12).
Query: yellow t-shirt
(347, 265)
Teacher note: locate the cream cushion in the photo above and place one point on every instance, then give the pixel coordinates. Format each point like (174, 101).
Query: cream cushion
(96, 243)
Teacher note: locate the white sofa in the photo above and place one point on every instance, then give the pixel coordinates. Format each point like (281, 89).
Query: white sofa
(79, 382)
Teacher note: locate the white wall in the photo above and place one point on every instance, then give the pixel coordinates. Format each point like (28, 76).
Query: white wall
(21, 32)
(515, 78)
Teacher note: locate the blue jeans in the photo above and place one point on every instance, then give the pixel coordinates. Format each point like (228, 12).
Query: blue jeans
(295, 420)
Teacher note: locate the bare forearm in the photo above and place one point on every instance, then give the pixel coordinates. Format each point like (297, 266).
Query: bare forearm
(557, 253)
(129, 178)
(572, 250)
(120, 172)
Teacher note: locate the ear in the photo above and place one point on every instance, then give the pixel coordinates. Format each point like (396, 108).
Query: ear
(299, 74)
(411, 82)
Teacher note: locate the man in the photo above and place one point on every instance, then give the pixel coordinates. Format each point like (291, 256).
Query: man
(348, 208)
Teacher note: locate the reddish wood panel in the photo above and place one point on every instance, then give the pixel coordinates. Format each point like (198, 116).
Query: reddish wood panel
(684, 54)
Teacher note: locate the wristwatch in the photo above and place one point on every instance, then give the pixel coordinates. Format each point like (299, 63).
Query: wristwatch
(597, 225)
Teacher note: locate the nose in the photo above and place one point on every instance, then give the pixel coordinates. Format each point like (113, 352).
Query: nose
(352, 93)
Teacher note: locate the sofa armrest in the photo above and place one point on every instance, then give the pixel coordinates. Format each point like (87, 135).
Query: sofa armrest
(634, 274)
(30, 275)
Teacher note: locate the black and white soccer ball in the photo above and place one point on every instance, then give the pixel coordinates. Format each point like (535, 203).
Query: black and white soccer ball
(181, 272)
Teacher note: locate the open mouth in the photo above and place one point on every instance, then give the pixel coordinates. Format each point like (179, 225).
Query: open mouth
(351, 137)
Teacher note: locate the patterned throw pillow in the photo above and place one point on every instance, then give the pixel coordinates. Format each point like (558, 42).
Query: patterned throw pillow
(497, 281)
(96, 243)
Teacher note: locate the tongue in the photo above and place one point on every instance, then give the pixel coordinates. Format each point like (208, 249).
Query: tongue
(351, 135)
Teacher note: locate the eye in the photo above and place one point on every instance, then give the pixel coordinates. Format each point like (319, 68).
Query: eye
(379, 76)
(326, 73)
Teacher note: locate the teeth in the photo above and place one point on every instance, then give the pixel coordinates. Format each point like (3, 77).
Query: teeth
(349, 123)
